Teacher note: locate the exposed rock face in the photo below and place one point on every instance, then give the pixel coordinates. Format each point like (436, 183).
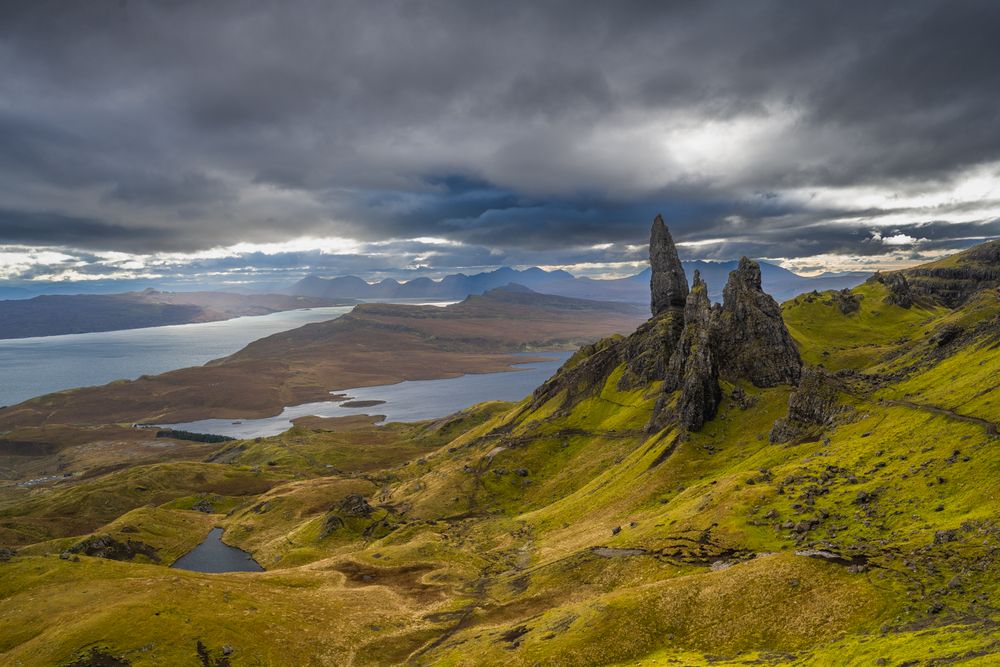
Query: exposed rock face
(847, 301)
(647, 352)
(751, 339)
(951, 283)
(899, 288)
(687, 344)
(105, 546)
(692, 367)
(331, 524)
(811, 407)
(355, 505)
(583, 373)
(667, 284)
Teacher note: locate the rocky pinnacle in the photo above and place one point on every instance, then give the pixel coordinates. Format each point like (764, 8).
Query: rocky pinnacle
(692, 367)
(689, 346)
(667, 285)
(751, 339)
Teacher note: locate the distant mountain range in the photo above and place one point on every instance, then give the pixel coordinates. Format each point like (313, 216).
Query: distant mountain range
(781, 283)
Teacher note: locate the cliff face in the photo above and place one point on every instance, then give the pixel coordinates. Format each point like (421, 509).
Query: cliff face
(687, 344)
(949, 282)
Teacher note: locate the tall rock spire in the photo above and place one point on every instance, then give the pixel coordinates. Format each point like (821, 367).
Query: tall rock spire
(667, 285)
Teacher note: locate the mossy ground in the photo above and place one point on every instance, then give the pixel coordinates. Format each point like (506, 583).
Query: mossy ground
(565, 535)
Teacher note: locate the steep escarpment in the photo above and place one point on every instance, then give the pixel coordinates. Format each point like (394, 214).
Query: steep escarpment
(688, 345)
(949, 281)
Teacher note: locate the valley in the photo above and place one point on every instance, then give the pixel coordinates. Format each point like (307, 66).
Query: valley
(742, 483)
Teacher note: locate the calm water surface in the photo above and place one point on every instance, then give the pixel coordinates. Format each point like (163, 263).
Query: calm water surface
(213, 555)
(35, 366)
(409, 401)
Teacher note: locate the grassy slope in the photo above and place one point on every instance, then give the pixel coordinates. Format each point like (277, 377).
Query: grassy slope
(481, 545)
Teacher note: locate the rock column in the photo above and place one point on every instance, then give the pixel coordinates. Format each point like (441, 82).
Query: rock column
(667, 285)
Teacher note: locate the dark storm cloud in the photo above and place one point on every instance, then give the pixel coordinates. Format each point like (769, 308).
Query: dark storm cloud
(53, 229)
(152, 188)
(516, 128)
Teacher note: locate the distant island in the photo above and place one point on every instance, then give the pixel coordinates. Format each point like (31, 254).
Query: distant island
(52, 315)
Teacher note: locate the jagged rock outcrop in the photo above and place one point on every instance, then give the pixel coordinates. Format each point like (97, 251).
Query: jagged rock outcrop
(105, 546)
(847, 301)
(355, 504)
(688, 345)
(692, 368)
(899, 288)
(811, 408)
(668, 285)
(751, 340)
(647, 351)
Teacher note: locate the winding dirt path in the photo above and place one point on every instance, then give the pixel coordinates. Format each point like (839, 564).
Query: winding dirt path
(990, 427)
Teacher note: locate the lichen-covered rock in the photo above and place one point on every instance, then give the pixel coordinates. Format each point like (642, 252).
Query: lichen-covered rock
(811, 407)
(692, 368)
(751, 340)
(667, 283)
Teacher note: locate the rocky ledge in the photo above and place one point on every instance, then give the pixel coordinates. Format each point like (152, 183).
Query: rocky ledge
(949, 282)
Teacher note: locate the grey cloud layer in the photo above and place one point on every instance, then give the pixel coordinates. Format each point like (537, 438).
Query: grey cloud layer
(514, 127)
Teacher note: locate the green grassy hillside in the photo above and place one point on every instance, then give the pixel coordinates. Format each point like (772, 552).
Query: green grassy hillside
(562, 532)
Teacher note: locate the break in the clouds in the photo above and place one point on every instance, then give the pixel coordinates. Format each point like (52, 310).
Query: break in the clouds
(242, 139)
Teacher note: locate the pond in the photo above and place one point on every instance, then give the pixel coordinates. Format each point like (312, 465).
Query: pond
(213, 555)
(409, 401)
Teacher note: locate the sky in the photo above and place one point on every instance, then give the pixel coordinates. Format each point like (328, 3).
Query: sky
(248, 143)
